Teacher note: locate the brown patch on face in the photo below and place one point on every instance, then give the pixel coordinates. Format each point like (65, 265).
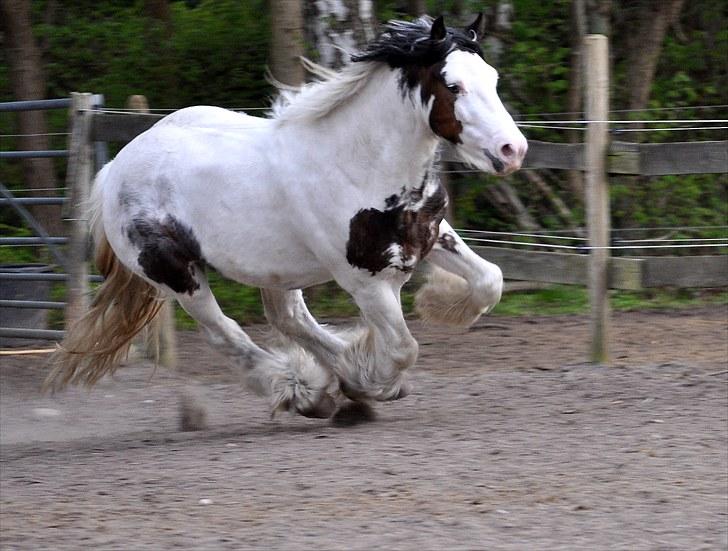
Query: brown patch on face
(443, 121)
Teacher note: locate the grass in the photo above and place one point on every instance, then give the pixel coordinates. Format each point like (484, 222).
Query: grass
(567, 299)
(243, 304)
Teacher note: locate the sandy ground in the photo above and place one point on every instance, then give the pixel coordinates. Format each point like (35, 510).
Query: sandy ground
(510, 441)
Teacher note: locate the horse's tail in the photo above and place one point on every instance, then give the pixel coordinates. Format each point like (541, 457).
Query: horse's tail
(122, 306)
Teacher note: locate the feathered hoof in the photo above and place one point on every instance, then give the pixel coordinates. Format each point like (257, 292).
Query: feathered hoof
(297, 398)
(450, 300)
(360, 394)
(302, 388)
(324, 409)
(404, 390)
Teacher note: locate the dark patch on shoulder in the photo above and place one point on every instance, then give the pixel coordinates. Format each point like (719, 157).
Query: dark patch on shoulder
(373, 232)
(168, 252)
(391, 201)
(447, 241)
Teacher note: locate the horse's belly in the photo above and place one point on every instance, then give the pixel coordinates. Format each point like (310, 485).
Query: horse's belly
(264, 259)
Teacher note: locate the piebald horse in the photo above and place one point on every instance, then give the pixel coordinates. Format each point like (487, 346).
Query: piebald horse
(338, 183)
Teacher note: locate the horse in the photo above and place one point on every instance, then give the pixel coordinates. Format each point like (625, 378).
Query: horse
(337, 183)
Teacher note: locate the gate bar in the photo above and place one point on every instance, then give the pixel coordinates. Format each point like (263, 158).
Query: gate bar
(45, 334)
(35, 104)
(39, 304)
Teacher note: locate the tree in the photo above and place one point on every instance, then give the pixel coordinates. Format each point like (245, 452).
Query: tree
(416, 7)
(654, 18)
(286, 41)
(578, 29)
(337, 29)
(28, 83)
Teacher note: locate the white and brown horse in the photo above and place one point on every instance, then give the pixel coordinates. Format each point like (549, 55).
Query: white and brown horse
(337, 184)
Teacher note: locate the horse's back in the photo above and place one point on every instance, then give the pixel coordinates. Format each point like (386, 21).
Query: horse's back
(193, 150)
(210, 174)
(207, 116)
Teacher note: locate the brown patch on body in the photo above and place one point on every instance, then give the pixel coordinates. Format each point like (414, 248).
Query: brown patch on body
(411, 227)
(168, 252)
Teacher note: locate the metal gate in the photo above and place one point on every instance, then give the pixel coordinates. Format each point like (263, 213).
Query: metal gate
(21, 284)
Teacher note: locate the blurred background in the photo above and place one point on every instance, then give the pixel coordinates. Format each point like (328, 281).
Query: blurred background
(669, 75)
(510, 440)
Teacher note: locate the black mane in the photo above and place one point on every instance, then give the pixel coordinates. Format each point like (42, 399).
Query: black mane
(406, 44)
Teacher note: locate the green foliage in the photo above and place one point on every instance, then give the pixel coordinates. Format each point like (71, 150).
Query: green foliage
(671, 201)
(215, 53)
(566, 299)
(16, 255)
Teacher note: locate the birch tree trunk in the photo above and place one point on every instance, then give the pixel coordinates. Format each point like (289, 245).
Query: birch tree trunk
(338, 28)
(287, 41)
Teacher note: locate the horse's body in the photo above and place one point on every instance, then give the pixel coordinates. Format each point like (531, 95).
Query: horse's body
(224, 184)
(337, 185)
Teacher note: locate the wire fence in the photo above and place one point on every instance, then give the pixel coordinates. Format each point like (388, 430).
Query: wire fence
(541, 239)
(525, 121)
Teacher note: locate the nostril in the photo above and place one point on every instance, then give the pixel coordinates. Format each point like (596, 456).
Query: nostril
(507, 151)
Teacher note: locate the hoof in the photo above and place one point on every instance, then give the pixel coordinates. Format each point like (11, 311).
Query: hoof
(351, 393)
(353, 413)
(359, 395)
(403, 391)
(192, 414)
(322, 410)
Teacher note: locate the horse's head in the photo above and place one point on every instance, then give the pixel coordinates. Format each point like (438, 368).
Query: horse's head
(457, 89)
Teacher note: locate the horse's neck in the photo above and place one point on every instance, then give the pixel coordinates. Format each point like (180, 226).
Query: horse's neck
(380, 137)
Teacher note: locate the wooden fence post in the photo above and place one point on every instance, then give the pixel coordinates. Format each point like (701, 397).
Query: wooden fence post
(597, 191)
(165, 348)
(78, 180)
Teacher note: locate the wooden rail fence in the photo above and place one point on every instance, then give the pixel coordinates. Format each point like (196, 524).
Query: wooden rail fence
(596, 158)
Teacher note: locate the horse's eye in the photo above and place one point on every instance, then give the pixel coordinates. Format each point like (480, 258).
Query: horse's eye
(454, 88)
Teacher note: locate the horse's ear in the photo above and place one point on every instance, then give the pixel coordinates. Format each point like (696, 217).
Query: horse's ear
(475, 30)
(438, 31)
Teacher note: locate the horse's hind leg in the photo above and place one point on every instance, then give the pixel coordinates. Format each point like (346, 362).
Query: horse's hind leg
(263, 372)
(373, 365)
(287, 312)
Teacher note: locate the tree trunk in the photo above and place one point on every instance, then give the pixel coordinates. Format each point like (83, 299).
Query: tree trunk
(416, 7)
(505, 199)
(599, 16)
(654, 20)
(159, 10)
(574, 105)
(28, 83)
(287, 41)
(540, 184)
(338, 29)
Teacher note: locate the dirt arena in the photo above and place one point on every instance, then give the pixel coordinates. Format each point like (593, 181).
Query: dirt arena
(509, 441)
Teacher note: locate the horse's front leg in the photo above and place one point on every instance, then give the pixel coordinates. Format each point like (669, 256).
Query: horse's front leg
(361, 359)
(373, 364)
(461, 285)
